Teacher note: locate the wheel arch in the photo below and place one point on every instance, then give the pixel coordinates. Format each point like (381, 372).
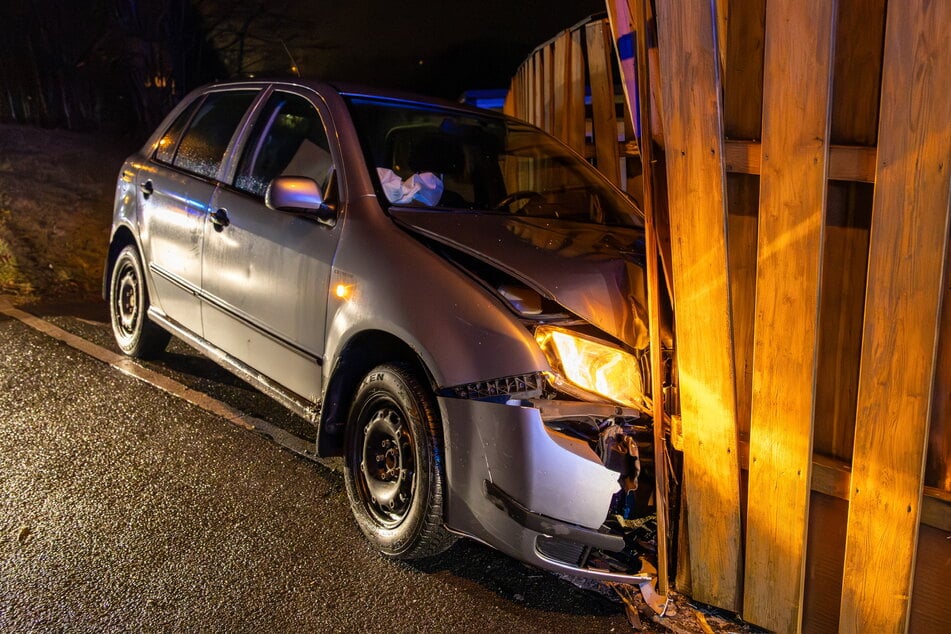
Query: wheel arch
(121, 238)
(363, 352)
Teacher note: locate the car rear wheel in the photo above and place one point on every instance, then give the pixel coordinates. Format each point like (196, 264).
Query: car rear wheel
(136, 335)
(393, 465)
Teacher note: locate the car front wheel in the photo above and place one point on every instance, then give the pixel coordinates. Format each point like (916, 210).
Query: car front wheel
(393, 466)
(136, 335)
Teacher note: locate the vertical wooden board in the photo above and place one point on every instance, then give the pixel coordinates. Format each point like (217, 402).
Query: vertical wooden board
(561, 87)
(508, 106)
(743, 199)
(604, 118)
(844, 269)
(907, 253)
(742, 111)
(520, 97)
(930, 607)
(548, 87)
(576, 83)
(858, 63)
(693, 131)
(796, 114)
(938, 470)
(539, 89)
(825, 551)
(743, 75)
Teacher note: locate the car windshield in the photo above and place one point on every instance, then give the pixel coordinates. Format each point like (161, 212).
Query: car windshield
(434, 157)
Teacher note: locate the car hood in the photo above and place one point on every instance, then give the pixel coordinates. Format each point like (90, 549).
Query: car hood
(595, 272)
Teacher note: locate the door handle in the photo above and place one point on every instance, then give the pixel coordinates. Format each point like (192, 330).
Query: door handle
(219, 218)
(146, 188)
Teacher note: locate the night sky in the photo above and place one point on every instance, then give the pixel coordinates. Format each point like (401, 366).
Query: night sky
(438, 48)
(122, 64)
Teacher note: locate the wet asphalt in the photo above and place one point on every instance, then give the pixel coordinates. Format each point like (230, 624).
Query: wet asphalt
(125, 508)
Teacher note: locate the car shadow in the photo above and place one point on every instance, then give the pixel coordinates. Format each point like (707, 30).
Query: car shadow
(470, 561)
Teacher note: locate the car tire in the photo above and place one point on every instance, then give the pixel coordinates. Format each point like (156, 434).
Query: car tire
(136, 335)
(393, 466)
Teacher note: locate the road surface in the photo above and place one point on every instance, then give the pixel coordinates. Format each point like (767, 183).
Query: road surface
(124, 507)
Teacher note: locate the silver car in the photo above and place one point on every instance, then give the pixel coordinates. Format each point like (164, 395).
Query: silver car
(453, 298)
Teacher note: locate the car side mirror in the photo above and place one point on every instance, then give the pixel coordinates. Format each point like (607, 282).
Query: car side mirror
(299, 195)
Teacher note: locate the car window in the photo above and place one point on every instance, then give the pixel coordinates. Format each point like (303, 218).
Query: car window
(203, 145)
(288, 140)
(430, 156)
(165, 151)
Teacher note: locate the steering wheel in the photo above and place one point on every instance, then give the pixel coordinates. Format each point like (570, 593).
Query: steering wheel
(523, 194)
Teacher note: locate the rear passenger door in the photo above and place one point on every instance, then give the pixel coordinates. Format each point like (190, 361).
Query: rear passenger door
(266, 273)
(174, 189)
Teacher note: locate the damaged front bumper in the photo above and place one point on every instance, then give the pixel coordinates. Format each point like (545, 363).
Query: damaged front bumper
(518, 482)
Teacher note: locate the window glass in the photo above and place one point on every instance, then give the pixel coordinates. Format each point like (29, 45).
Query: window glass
(288, 140)
(203, 146)
(166, 145)
(430, 156)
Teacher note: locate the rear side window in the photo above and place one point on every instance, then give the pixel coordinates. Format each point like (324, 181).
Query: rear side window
(288, 140)
(203, 146)
(165, 151)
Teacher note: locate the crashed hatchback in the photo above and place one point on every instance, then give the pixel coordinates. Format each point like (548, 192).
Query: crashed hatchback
(453, 298)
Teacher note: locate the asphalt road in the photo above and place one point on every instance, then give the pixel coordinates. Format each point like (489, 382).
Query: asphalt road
(123, 507)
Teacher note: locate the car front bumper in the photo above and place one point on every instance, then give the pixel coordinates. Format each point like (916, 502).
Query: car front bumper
(534, 493)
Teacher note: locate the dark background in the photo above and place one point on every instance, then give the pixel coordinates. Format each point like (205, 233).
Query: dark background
(120, 65)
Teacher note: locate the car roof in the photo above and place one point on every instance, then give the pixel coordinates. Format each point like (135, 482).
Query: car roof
(351, 90)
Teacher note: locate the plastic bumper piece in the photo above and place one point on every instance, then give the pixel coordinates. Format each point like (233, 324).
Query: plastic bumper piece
(531, 492)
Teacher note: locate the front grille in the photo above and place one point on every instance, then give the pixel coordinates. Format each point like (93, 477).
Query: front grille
(519, 386)
(562, 550)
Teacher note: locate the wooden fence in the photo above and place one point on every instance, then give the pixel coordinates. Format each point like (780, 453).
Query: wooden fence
(804, 179)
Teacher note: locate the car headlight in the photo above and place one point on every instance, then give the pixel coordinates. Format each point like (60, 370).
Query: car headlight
(582, 363)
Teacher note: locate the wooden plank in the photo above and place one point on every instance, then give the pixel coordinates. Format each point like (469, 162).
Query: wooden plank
(825, 552)
(742, 112)
(604, 119)
(743, 74)
(637, 82)
(938, 468)
(548, 88)
(743, 201)
(936, 509)
(792, 211)
(561, 52)
(852, 163)
(857, 75)
(846, 163)
(907, 254)
(576, 117)
(509, 105)
(693, 135)
(930, 608)
(845, 264)
(833, 477)
(538, 90)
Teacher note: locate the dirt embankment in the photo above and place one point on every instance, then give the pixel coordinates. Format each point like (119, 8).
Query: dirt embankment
(56, 195)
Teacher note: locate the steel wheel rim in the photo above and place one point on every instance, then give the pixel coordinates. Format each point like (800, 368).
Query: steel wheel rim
(126, 300)
(386, 462)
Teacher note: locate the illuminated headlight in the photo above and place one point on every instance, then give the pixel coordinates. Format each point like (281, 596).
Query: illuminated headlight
(582, 363)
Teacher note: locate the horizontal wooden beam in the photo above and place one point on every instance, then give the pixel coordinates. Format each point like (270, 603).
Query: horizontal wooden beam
(834, 478)
(846, 162)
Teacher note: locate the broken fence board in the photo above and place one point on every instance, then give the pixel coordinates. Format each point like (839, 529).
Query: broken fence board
(693, 138)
